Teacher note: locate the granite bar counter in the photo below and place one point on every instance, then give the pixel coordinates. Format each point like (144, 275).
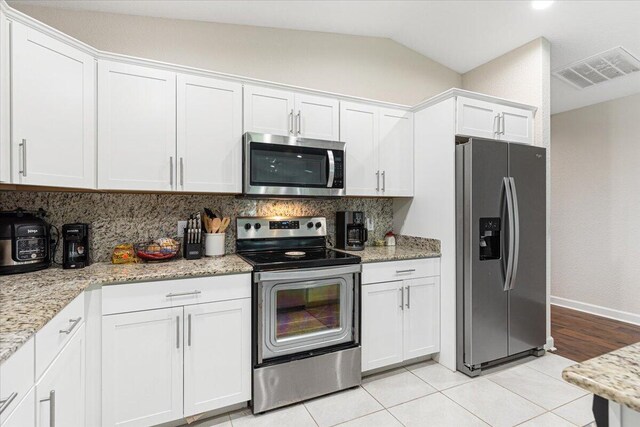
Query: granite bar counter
(28, 301)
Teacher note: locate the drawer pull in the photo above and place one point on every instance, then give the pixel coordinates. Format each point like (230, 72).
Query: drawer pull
(4, 404)
(74, 323)
(410, 270)
(52, 407)
(181, 294)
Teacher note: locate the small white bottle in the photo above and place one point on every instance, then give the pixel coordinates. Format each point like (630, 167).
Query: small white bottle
(389, 239)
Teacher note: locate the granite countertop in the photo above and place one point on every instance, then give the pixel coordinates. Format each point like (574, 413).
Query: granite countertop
(614, 376)
(28, 301)
(407, 247)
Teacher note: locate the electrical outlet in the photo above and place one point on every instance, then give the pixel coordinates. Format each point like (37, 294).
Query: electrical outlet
(369, 224)
(181, 226)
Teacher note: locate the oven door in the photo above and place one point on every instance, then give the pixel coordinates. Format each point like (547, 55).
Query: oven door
(288, 166)
(308, 309)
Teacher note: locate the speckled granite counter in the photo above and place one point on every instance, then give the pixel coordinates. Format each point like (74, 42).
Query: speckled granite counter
(28, 301)
(407, 247)
(614, 376)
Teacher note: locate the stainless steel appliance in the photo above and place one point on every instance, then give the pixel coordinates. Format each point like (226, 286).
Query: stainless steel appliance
(501, 253)
(306, 311)
(24, 242)
(75, 245)
(351, 232)
(288, 166)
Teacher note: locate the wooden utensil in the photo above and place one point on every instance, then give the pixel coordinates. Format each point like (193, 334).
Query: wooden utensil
(215, 225)
(224, 224)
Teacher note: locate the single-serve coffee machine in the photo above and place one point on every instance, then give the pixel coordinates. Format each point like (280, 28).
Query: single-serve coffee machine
(351, 232)
(75, 245)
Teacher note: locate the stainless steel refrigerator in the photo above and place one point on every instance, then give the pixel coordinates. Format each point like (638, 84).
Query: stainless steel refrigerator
(501, 252)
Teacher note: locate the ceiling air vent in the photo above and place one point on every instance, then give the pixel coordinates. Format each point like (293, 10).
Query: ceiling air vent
(599, 68)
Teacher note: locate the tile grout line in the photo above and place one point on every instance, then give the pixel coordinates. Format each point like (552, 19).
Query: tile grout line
(467, 410)
(310, 414)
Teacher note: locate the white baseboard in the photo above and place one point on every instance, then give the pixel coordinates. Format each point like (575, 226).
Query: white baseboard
(622, 316)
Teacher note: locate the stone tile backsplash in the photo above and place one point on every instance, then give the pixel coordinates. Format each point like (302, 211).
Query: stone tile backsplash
(122, 217)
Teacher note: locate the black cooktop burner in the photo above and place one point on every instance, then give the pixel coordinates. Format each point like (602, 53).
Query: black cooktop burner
(297, 258)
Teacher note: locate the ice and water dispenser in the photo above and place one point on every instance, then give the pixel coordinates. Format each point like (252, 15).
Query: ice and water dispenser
(489, 238)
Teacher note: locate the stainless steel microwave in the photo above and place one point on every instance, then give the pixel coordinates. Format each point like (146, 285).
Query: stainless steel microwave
(287, 166)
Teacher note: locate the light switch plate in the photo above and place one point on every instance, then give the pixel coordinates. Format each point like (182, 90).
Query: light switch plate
(181, 227)
(369, 224)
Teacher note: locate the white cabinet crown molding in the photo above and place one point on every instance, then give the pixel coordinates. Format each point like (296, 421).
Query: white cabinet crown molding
(454, 92)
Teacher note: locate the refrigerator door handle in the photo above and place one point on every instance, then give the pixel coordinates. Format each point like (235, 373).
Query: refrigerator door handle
(516, 234)
(507, 277)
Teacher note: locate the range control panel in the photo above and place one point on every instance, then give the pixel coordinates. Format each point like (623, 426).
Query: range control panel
(279, 227)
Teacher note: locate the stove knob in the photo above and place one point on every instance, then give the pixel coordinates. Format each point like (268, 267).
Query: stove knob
(257, 226)
(247, 226)
(309, 224)
(318, 224)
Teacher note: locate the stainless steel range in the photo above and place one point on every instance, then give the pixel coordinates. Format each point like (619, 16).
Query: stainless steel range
(306, 310)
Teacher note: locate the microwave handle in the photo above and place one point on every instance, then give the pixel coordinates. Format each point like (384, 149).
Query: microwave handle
(332, 169)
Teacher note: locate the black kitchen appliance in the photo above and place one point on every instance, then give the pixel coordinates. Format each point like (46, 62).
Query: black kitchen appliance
(24, 242)
(351, 231)
(75, 245)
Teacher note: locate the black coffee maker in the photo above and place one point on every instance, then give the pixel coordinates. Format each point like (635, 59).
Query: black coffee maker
(351, 232)
(75, 245)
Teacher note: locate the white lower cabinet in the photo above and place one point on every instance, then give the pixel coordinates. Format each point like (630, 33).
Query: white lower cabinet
(142, 367)
(60, 392)
(217, 355)
(24, 414)
(400, 321)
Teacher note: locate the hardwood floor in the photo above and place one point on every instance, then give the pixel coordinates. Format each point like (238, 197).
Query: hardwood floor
(580, 336)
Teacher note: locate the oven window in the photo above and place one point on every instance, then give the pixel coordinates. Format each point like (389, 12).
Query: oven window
(302, 312)
(281, 165)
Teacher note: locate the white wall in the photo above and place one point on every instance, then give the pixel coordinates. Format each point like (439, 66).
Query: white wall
(595, 211)
(369, 67)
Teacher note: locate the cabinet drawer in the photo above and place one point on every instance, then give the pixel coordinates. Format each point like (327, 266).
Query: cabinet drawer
(55, 334)
(174, 293)
(400, 270)
(16, 378)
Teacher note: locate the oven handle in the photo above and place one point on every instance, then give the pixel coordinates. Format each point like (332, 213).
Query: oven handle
(332, 168)
(264, 276)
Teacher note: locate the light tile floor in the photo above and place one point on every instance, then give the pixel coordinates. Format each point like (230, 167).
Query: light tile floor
(529, 394)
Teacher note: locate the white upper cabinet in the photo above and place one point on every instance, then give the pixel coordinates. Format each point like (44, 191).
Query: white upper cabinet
(5, 100)
(268, 110)
(209, 130)
(53, 113)
(359, 129)
(280, 112)
(484, 119)
(396, 152)
(136, 127)
(317, 117)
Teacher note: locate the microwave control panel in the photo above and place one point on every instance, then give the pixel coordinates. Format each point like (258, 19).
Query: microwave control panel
(338, 174)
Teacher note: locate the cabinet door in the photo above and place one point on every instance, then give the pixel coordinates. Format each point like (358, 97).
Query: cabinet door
(421, 317)
(359, 130)
(53, 116)
(217, 355)
(317, 117)
(209, 135)
(136, 127)
(5, 100)
(268, 111)
(382, 312)
(142, 367)
(517, 125)
(60, 392)
(476, 118)
(396, 152)
(24, 415)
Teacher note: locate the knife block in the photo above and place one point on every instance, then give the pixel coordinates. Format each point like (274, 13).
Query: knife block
(191, 250)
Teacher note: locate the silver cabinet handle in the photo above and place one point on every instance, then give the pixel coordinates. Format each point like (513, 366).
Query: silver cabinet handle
(52, 407)
(171, 171)
(23, 145)
(299, 123)
(384, 180)
(177, 331)
(4, 404)
(74, 323)
(189, 329)
(182, 171)
(291, 121)
(181, 294)
(496, 120)
(501, 124)
(378, 181)
(410, 270)
(408, 296)
(401, 298)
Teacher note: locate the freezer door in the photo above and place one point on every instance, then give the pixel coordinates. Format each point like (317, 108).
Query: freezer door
(485, 300)
(527, 297)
